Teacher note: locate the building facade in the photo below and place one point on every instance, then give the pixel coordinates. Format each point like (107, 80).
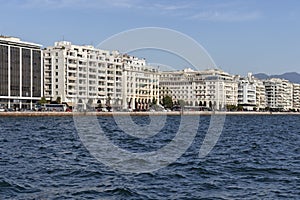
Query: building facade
(279, 94)
(221, 88)
(140, 83)
(90, 76)
(210, 88)
(247, 92)
(180, 85)
(261, 103)
(296, 96)
(21, 72)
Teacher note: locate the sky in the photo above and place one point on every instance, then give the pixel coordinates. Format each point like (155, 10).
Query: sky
(240, 35)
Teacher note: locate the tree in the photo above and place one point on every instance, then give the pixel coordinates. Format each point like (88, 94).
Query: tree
(108, 105)
(231, 107)
(167, 102)
(240, 108)
(58, 100)
(43, 100)
(181, 103)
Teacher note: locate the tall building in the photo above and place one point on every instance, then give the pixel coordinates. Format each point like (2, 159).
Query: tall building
(261, 103)
(279, 94)
(21, 73)
(140, 83)
(87, 75)
(247, 92)
(296, 96)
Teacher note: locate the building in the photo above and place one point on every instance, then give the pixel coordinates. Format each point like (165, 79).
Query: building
(247, 92)
(140, 83)
(21, 73)
(90, 76)
(180, 85)
(261, 103)
(210, 88)
(221, 88)
(279, 94)
(296, 96)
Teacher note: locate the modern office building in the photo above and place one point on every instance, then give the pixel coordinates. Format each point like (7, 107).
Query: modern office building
(83, 74)
(21, 73)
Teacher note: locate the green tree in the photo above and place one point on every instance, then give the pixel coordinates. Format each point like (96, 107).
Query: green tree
(231, 107)
(58, 100)
(240, 108)
(181, 103)
(43, 100)
(167, 101)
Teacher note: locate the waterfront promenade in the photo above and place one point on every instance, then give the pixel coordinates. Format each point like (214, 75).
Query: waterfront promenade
(171, 113)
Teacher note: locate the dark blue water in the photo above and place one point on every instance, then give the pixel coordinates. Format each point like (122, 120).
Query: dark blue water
(256, 157)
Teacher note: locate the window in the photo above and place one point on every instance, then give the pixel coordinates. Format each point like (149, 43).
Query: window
(56, 80)
(56, 86)
(56, 73)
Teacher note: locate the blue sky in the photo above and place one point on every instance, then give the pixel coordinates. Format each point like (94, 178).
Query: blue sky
(240, 35)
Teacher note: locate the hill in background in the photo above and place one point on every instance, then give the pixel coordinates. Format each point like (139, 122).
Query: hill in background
(293, 77)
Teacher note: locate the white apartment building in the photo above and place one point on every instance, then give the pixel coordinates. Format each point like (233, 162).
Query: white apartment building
(21, 73)
(211, 88)
(261, 103)
(221, 88)
(296, 96)
(140, 83)
(279, 94)
(247, 92)
(87, 75)
(180, 85)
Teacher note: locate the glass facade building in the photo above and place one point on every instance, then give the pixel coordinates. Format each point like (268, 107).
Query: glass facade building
(21, 73)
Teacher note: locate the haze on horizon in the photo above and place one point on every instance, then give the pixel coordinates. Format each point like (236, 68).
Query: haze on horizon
(241, 36)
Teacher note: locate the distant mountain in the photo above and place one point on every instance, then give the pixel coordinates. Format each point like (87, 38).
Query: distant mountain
(261, 76)
(293, 77)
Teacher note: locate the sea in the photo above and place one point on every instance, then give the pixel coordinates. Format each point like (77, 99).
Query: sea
(254, 157)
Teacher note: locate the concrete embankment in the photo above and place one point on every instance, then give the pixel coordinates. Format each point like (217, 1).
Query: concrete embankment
(175, 113)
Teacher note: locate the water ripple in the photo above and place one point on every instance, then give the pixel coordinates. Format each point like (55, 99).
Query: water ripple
(256, 157)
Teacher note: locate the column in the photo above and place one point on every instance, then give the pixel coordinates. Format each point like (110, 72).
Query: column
(8, 85)
(31, 78)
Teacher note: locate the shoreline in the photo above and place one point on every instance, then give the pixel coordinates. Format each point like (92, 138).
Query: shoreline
(109, 114)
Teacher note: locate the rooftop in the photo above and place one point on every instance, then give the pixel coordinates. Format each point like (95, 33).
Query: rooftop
(15, 40)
